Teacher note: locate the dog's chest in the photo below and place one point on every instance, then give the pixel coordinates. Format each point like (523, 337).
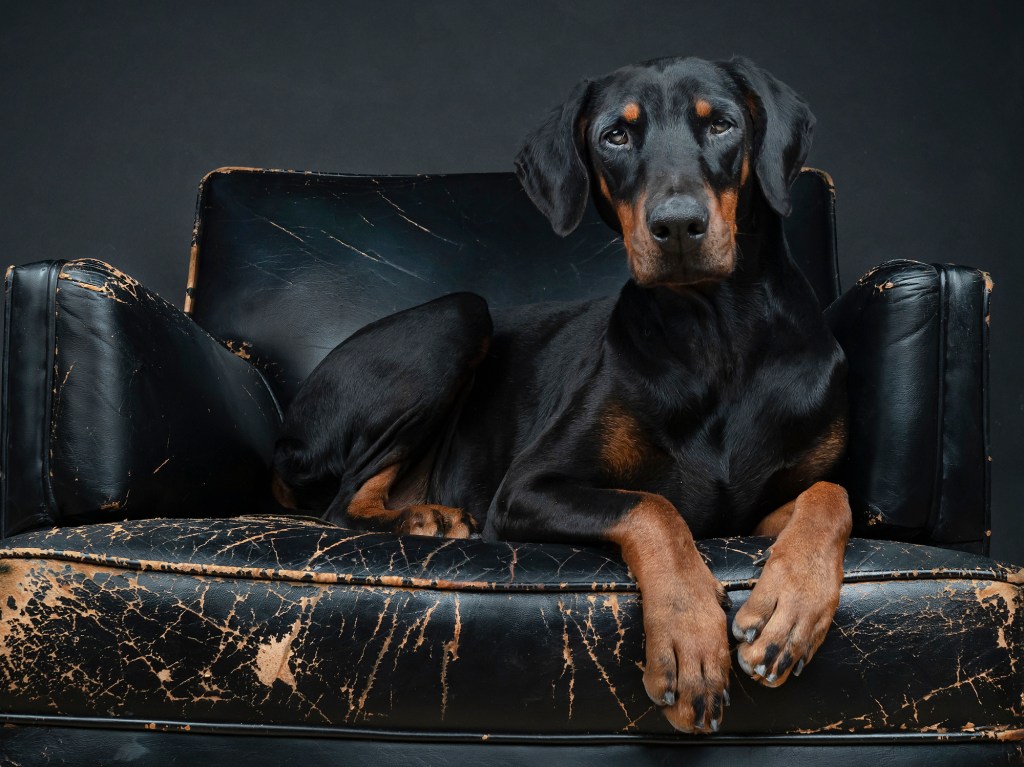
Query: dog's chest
(719, 466)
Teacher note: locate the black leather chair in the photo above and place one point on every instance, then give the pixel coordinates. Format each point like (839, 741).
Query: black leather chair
(155, 606)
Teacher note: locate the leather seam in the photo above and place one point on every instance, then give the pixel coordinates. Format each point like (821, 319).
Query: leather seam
(986, 314)
(313, 578)
(5, 426)
(53, 277)
(935, 508)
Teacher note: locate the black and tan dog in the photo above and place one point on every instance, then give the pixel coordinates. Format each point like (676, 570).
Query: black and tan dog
(706, 399)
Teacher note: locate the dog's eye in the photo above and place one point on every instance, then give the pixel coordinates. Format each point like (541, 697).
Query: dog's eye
(616, 137)
(720, 126)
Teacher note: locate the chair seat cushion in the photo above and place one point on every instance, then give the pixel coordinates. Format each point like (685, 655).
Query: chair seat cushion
(291, 623)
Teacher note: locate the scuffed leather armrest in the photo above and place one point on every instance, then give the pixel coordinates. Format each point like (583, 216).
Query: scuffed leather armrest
(916, 339)
(116, 405)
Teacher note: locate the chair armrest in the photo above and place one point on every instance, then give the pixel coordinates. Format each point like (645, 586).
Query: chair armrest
(916, 339)
(116, 405)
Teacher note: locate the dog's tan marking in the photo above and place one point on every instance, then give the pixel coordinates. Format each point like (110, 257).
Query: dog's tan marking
(719, 248)
(603, 185)
(631, 112)
(369, 505)
(623, 447)
(775, 522)
(829, 450)
(820, 459)
(641, 251)
(702, 108)
(727, 205)
(687, 666)
(370, 500)
(282, 493)
(745, 170)
(752, 107)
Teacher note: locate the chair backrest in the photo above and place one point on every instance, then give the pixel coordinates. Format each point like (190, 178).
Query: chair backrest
(286, 265)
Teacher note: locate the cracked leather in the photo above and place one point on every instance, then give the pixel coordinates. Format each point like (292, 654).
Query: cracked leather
(117, 405)
(291, 621)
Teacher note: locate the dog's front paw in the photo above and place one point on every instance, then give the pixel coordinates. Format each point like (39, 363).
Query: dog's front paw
(785, 620)
(687, 670)
(435, 520)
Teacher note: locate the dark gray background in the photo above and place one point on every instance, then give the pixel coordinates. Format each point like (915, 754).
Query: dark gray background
(113, 111)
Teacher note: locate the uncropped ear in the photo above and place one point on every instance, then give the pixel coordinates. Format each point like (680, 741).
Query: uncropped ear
(552, 167)
(783, 125)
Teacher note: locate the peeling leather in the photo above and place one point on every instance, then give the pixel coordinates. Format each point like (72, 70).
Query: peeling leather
(294, 621)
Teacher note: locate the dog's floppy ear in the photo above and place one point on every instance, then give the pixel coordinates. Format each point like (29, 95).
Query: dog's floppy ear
(783, 125)
(552, 165)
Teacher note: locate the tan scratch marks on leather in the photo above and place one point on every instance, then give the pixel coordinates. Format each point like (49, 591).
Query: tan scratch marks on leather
(241, 349)
(590, 644)
(568, 664)
(114, 284)
(272, 659)
(361, 706)
(1003, 599)
(451, 654)
(611, 601)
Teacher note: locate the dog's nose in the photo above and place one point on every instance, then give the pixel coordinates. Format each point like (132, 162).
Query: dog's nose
(680, 219)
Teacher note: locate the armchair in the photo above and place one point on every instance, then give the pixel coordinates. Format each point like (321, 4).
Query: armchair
(154, 601)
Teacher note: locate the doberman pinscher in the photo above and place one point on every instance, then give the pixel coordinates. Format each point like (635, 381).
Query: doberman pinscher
(708, 398)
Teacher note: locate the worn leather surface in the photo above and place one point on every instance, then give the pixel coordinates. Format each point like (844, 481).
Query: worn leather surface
(289, 621)
(918, 462)
(287, 265)
(116, 405)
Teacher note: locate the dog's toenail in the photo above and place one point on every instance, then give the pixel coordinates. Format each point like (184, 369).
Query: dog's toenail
(759, 670)
(668, 699)
(750, 636)
(799, 667)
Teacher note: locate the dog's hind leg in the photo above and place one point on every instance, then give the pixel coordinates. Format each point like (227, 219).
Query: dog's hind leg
(374, 411)
(369, 507)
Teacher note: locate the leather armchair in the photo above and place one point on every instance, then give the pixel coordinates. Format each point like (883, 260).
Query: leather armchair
(153, 598)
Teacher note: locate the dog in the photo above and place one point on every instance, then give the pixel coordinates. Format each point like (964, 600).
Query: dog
(708, 398)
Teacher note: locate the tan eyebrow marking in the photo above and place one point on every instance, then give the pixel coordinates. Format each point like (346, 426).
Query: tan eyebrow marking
(702, 107)
(631, 111)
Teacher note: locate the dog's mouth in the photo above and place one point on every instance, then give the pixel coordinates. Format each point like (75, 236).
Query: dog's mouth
(657, 271)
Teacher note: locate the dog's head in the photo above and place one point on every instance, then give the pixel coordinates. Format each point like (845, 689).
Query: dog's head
(670, 150)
